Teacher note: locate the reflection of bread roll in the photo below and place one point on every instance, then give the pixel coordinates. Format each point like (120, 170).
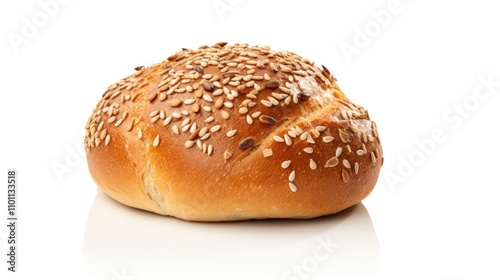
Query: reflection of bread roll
(230, 133)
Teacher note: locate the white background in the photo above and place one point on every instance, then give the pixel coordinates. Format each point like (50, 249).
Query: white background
(434, 213)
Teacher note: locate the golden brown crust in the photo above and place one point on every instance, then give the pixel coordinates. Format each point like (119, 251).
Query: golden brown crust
(230, 133)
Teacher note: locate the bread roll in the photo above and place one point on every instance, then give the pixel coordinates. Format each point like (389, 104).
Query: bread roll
(235, 132)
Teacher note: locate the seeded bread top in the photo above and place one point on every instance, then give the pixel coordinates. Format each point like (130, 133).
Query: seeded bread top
(225, 103)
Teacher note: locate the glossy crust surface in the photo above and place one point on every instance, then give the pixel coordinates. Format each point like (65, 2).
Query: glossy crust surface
(232, 132)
